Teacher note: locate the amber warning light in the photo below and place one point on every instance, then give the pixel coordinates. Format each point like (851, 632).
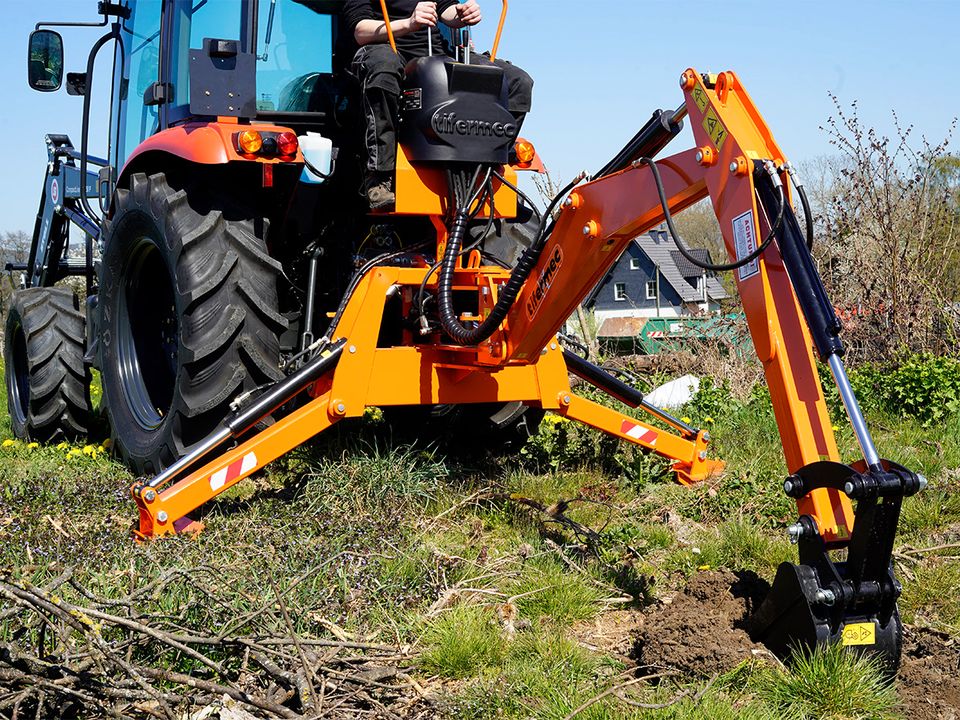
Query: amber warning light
(525, 152)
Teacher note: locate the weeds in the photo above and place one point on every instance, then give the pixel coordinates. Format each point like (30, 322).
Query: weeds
(829, 683)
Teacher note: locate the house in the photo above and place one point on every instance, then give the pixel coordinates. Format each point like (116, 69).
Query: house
(652, 279)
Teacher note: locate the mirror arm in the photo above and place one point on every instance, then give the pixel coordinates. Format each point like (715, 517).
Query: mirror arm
(85, 128)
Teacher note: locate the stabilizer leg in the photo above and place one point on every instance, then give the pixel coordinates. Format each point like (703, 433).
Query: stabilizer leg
(163, 511)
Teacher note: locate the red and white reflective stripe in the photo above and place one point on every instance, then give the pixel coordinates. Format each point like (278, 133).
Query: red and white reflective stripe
(638, 432)
(656, 334)
(232, 471)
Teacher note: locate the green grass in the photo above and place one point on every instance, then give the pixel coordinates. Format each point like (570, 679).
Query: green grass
(830, 683)
(371, 535)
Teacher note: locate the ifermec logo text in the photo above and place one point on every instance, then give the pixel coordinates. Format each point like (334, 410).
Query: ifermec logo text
(544, 282)
(449, 124)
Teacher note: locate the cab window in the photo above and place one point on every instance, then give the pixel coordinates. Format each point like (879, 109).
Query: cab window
(294, 47)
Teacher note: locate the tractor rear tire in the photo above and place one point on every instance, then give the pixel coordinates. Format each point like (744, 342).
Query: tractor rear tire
(189, 317)
(48, 384)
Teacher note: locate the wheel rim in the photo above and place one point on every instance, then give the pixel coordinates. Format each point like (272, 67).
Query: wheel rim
(147, 335)
(18, 380)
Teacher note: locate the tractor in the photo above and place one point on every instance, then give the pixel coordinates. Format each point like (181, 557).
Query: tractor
(240, 297)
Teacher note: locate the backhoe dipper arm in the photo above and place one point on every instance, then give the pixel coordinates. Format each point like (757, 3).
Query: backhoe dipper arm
(739, 166)
(600, 218)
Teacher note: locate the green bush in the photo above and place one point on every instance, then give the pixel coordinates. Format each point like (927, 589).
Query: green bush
(921, 386)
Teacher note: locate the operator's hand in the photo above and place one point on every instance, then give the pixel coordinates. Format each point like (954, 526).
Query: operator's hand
(469, 12)
(424, 15)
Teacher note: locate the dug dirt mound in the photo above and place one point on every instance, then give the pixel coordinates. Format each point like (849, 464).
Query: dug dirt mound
(929, 679)
(701, 630)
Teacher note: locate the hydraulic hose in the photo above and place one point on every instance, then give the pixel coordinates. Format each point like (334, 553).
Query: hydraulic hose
(457, 331)
(717, 267)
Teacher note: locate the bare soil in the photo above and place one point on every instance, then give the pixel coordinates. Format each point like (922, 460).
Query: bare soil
(702, 630)
(929, 679)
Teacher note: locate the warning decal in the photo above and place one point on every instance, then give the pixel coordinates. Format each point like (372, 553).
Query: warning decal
(745, 239)
(714, 128)
(638, 432)
(864, 633)
(234, 470)
(700, 98)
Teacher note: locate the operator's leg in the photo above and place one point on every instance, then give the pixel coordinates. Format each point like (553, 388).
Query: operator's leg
(379, 71)
(519, 86)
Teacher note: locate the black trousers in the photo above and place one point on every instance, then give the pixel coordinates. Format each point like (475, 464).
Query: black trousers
(379, 71)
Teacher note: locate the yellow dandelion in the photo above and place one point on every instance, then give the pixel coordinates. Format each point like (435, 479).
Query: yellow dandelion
(9, 443)
(33, 446)
(101, 448)
(73, 452)
(107, 443)
(708, 420)
(703, 567)
(686, 419)
(62, 446)
(835, 428)
(89, 450)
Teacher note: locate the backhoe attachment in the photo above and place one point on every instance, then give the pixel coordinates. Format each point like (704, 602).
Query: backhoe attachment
(492, 338)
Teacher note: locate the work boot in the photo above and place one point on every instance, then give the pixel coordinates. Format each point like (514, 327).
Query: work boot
(380, 195)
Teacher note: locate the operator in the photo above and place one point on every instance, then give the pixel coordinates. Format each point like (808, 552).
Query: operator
(379, 71)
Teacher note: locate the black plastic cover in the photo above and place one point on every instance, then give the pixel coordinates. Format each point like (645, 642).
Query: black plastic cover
(450, 112)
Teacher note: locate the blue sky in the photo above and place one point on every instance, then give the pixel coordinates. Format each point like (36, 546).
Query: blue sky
(601, 67)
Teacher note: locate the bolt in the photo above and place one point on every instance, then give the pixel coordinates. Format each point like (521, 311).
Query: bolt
(543, 352)
(553, 346)
(794, 533)
(207, 93)
(149, 495)
(825, 596)
(848, 488)
(733, 167)
(341, 408)
(568, 202)
(353, 348)
(923, 482)
(702, 455)
(586, 229)
(699, 156)
(564, 399)
(706, 437)
(789, 485)
(162, 516)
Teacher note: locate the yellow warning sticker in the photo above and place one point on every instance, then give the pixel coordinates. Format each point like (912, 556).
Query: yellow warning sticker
(864, 633)
(714, 128)
(700, 98)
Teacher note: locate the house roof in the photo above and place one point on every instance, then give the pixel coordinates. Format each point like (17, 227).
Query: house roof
(687, 268)
(661, 249)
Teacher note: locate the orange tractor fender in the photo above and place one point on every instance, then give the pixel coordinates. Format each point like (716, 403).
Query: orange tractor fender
(203, 143)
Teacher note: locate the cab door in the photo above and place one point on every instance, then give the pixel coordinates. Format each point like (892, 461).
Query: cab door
(136, 69)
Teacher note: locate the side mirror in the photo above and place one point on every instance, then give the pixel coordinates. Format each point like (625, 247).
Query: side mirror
(45, 61)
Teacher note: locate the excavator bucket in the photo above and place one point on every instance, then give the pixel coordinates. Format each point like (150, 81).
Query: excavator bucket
(853, 602)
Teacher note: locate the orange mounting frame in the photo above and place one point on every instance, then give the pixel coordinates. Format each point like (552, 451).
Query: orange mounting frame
(367, 376)
(522, 361)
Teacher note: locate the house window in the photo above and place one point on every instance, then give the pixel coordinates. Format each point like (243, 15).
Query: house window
(651, 289)
(634, 263)
(619, 291)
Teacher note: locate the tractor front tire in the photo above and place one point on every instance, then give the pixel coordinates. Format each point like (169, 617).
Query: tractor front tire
(189, 316)
(48, 384)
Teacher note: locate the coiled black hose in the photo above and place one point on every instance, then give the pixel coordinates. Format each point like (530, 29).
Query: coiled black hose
(457, 331)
